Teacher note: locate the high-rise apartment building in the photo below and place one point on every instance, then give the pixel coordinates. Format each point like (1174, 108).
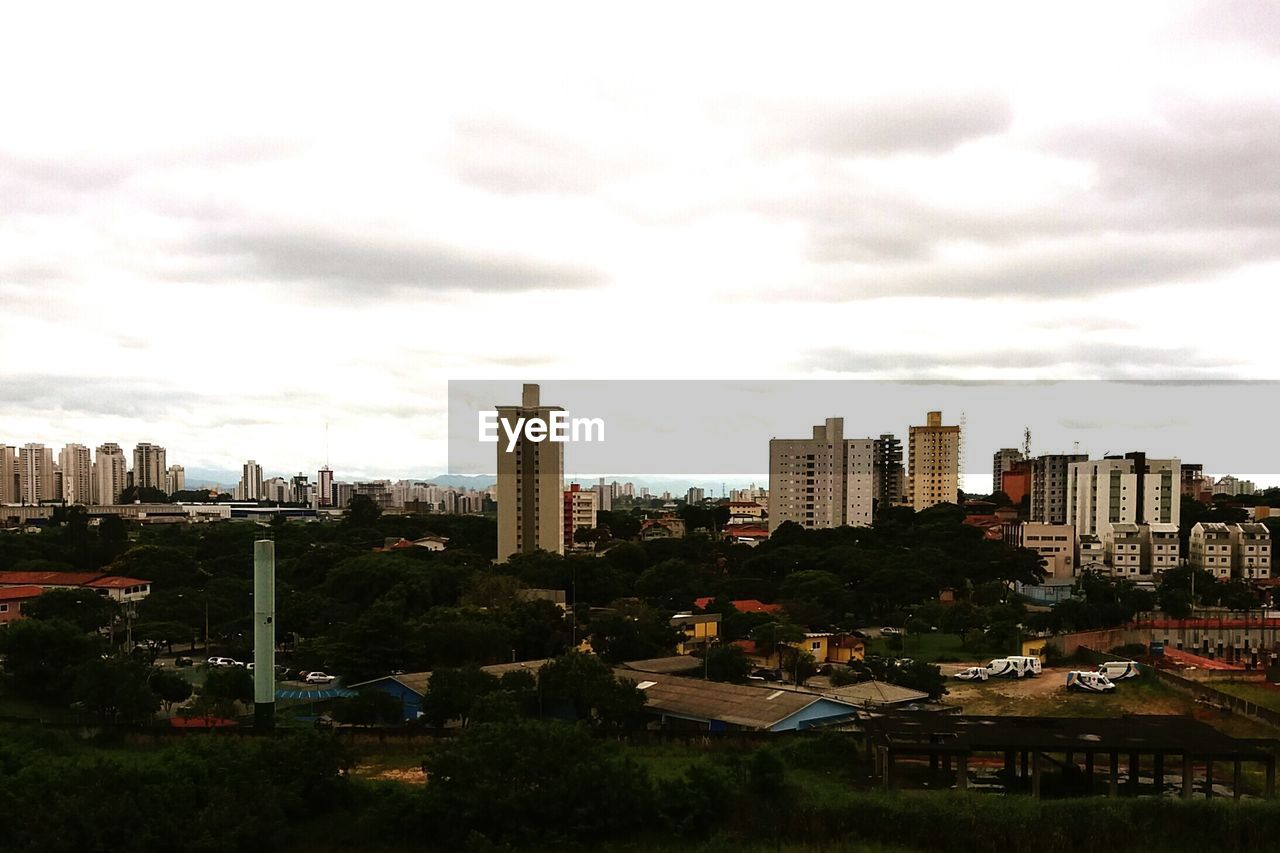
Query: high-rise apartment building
(890, 478)
(149, 466)
(823, 481)
(175, 479)
(604, 497)
(695, 495)
(934, 460)
(36, 480)
(1003, 460)
(530, 483)
(76, 465)
(324, 487)
(110, 474)
(250, 488)
(1049, 486)
(1129, 489)
(9, 488)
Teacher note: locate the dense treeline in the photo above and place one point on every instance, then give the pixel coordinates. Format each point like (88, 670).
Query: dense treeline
(548, 786)
(348, 609)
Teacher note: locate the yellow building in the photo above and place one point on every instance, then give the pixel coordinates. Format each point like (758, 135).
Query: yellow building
(696, 631)
(934, 462)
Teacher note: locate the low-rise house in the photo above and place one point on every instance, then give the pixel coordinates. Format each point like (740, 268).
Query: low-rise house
(666, 527)
(697, 630)
(14, 598)
(115, 587)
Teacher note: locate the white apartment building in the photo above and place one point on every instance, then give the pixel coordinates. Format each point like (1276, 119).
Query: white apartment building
(76, 464)
(933, 463)
(175, 479)
(324, 487)
(1122, 490)
(695, 495)
(823, 481)
(250, 486)
(110, 474)
(36, 480)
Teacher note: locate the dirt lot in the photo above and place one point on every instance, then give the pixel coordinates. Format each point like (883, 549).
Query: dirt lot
(1047, 695)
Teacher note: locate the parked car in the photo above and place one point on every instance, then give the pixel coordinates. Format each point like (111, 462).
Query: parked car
(861, 635)
(220, 661)
(768, 674)
(890, 632)
(180, 661)
(320, 678)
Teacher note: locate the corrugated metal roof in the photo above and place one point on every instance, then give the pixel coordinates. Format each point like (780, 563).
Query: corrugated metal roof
(735, 704)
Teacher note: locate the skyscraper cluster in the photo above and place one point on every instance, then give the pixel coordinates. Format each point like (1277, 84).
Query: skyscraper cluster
(31, 474)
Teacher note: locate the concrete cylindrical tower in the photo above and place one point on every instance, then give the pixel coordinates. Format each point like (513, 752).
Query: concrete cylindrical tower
(264, 634)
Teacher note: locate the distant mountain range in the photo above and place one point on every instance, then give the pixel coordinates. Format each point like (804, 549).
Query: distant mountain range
(201, 477)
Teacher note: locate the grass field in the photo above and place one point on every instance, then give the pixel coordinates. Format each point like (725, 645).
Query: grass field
(1259, 694)
(929, 647)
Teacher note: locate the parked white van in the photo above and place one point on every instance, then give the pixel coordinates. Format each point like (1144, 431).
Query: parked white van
(1089, 682)
(1030, 663)
(1117, 670)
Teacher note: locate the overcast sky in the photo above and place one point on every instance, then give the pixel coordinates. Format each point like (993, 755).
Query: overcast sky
(223, 226)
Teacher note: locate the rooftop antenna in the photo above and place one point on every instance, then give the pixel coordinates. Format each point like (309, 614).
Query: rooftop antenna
(326, 444)
(1026, 442)
(960, 448)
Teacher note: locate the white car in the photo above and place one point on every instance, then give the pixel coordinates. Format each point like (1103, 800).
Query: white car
(224, 662)
(320, 678)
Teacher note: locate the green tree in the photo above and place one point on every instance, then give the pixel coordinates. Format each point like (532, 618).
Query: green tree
(632, 632)
(40, 655)
(83, 608)
(170, 687)
(728, 663)
(586, 685)
(453, 693)
(115, 691)
(369, 708)
(362, 511)
(772, 637)
(533, 784)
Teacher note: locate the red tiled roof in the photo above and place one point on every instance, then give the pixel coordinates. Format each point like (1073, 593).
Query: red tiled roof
(116, 582)
(742, 605)
(47, 578)
(96, 580)
(14, 593)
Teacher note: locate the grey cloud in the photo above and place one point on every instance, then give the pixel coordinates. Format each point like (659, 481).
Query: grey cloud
(906, 123)
(359, 266)
(93, 396)
(1101, 359)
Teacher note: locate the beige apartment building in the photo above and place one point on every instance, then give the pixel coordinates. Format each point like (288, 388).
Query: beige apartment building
(530, 491)
(9, 489)
(823, 481)
(1227, 550)
(110, 474)
(1056, 544)
(579, 512)
(1141, 549)
(149, 466)
(934, 463)
(76, 465)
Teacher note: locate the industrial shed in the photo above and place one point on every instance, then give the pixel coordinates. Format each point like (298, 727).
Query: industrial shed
(688, 702)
